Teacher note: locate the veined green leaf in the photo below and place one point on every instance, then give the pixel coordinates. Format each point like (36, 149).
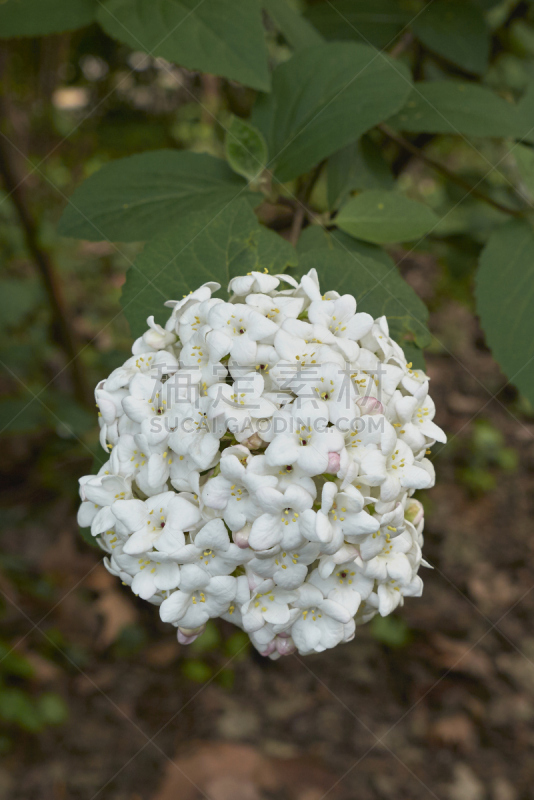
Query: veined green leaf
(463, 108)
(381, 217)
(524, 157)
(41, 17)
(297, 31)
(505, 299)
(198, 249)
(375, 22)
(135, 198)
(323, 99)
(246, 150)
(225, 38)
(352, 267)
(359, 166)
(456, 30)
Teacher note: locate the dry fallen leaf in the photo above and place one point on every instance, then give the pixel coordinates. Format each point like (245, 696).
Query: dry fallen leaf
(457, 656)
(117, 612)
(227, 771)
(456, 730)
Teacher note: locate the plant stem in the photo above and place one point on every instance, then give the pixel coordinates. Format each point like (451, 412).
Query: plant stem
(301, 203)
(441, 168)
(14, 185)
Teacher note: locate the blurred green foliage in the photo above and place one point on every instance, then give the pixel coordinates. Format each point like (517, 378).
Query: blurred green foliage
(20, 706)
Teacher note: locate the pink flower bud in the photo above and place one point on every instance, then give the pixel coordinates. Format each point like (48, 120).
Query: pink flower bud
(370, 405)
(270, 648)
(188, 635)
(253, 442)
(285, 646)
(241, 537)
(334, 460)
(414, 512)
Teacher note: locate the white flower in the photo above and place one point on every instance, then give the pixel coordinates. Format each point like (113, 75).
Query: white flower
(261, 457)
(194, 319)
(391, 561)
(156, 338)
(331, 385)
(280, 522)
(347, 585)
(319, 623)
(341, 516)
(287, 568)
(277, 309)
(199, 597)
(391, 594)
(150, 405)
(212, 549)
(236, 328)
(300, 436)
(146, 575)
(193, 299)
(196, 360)
(234, 491)
(147, 521)
(340, 317)
(269, 604)
(240, 403)
(413, 416)
(253, 282)
(196, 435)
(403, 472)
(157, 364)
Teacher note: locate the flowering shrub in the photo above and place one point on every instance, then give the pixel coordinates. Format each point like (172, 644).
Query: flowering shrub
(263, 454)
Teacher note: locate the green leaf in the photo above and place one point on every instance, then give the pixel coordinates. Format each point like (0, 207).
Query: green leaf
(41, 17)
(456, 30)
(323, 99)
(359, 166)
(297, 31)
(524, 157)
(196, 670)
(381, 216)
(18, 708)
(198, 249)
(315, 238)
(246, 150)
(377, 286)
(134, 198)
(505, 299)
(375, 22)
(391, 631)
(464, 108)
(21, 415)
(210, 36)
(52, 709)
(18, 298)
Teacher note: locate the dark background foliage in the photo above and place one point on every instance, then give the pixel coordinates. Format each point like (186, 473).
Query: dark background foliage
(410, 168)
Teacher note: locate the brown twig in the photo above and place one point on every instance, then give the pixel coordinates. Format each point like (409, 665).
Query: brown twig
(301, 208)
(14, 185)
(402, 45)
(441, 168)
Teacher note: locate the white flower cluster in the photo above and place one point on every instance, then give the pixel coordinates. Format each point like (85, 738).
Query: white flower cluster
(263, 454)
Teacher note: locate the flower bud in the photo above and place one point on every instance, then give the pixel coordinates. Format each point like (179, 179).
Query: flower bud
(188, 635)
(241, 537)
(253, 442)
(334, 461)
(414, 512)
(270, 648)
(285, 645)
(370, 405)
